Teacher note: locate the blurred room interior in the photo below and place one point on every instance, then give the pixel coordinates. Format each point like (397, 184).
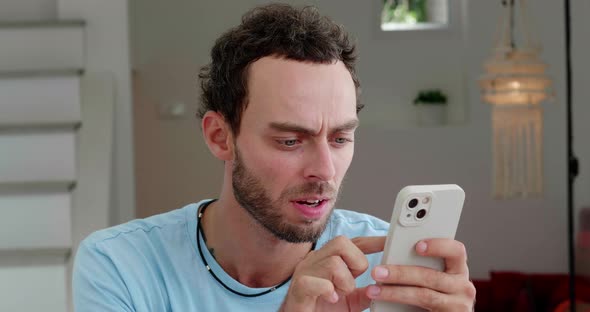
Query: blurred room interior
(98, 126)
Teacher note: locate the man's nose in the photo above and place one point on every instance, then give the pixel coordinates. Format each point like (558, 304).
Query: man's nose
(320, 163)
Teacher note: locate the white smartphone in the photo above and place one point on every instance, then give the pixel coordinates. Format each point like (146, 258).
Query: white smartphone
(420, 212)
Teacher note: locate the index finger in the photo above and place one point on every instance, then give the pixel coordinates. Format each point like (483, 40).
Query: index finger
(452, 251)
(352, 256)
(370, 244)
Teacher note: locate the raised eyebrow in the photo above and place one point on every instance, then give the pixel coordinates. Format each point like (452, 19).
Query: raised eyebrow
(351, 125)
(290, 127)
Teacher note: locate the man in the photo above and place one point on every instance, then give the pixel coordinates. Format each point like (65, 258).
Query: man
(279, 108)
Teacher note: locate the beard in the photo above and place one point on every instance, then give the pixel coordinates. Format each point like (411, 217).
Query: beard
(251, 194)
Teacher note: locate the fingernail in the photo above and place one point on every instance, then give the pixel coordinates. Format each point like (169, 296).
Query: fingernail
(334, 297)
(373, 291)
(381, 272)
(421, 246)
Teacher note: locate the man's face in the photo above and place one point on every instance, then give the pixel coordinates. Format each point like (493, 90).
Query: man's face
(295, 145)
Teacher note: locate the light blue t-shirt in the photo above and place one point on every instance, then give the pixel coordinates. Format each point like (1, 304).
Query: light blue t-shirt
(153, 264)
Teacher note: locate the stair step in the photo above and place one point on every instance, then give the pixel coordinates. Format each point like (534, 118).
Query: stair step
(35, 282)
(38, 158)
(35, 221)
(41, 45)
(40, 99)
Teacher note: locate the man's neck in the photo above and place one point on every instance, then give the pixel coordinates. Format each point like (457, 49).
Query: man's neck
(246, 250)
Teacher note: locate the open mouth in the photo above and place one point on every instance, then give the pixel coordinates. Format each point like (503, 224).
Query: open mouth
(312, 208)
(311, 203)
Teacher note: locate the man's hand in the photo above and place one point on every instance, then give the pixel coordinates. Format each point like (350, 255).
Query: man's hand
(325, 279)
(432, 290)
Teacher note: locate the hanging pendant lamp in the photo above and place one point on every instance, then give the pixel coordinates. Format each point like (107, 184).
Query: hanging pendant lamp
(515, 83)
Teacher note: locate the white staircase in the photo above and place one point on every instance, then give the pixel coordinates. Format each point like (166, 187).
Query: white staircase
(40, 118)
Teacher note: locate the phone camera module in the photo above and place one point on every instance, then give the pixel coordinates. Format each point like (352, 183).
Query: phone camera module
(421, 213)
(413, 203)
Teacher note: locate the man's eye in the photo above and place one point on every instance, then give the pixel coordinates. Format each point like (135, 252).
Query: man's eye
(342, 140)
(289, 142)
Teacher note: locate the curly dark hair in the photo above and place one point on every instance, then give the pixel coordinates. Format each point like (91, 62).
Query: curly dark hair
(278, 30)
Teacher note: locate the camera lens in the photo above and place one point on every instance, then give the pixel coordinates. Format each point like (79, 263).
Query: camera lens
(413, 203)
(421, 213)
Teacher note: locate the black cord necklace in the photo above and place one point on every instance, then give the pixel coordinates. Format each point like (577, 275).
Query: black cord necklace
(199, 233)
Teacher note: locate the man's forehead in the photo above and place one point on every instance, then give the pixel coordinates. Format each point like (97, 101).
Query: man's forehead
(287, 86)
(270, 61)
(276, 70)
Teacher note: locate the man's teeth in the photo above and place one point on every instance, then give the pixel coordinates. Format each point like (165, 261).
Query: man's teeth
(311, 202)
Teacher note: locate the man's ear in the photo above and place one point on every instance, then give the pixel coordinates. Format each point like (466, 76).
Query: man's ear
(218, 135)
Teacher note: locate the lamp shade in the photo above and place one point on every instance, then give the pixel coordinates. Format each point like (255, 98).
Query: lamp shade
(515, 83)
(515, 77)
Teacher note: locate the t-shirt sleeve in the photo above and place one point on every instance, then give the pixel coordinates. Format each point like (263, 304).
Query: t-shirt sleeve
(97, 283)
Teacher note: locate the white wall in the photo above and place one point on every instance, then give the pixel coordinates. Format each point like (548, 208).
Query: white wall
(174, 166)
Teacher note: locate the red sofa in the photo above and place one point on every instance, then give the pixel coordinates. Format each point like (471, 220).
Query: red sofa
(513, 291)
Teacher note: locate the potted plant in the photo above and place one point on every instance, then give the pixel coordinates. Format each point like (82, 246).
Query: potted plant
(431, 107)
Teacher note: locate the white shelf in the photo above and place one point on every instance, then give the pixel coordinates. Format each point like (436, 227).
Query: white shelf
(410, 27)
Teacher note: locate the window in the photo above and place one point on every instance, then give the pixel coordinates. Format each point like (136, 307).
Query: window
(414, 14)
